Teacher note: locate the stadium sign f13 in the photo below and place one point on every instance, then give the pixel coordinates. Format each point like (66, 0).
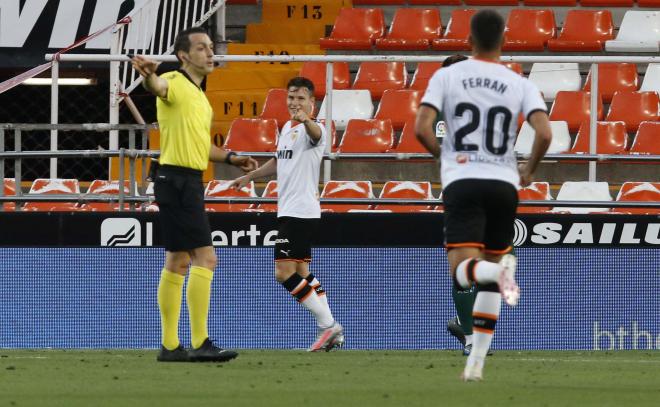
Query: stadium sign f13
(566, 232)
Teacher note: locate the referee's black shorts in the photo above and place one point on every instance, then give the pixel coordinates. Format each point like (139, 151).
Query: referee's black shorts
(294, 238)
(179, 194)
(480, 213)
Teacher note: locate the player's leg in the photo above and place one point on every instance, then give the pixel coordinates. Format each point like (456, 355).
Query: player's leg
(170, 294)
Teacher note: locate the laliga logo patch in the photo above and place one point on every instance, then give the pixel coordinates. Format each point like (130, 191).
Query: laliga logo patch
(121, 232)
(519, 233)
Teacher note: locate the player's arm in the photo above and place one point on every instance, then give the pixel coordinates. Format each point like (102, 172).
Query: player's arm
(313, 129)
(152, 82)
(542, 139)
(219, 155)
(268, 169)
(425, 129)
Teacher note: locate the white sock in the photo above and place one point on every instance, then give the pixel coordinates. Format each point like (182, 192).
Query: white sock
(473, 270)
(319, 309)
(468, 340)
(485, 313)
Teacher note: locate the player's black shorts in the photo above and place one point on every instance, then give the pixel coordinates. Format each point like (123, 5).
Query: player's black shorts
(294, 238)
(179, 194)
(480, 213)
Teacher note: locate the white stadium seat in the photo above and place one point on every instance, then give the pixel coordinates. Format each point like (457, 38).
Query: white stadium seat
(561, 139)
(583, 191)
(639, 32)
(347, 105)
(551, 78)
(651, 80)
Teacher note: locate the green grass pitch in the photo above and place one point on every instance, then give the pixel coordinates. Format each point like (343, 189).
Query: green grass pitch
(344, 378)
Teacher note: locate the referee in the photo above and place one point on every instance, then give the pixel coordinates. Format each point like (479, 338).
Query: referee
(184, 118)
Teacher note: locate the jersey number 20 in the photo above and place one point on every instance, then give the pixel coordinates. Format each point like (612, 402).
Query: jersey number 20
(470, 127)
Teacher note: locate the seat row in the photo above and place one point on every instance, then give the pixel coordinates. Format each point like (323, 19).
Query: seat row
(589, 191)
(554, 3)
(416, 29)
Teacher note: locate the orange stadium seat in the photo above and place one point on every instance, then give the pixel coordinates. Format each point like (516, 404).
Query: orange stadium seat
(57, 186)
(584, 30)
(514, 66)
(408, 142)
(434, 2)
(528, 30)
(613, 78)
(222, 189)
(253, 135)
(412, 29)
(377, 77)
(639, 191)
(611, 138)
(457, 32)
(355, 29)
(405, 190)
(553, 3)
(349, 190)
(647, 139)
(491, 2)
(606, 3)
(10, 189)
(574, 108)
(400, 106)
(315, 72)
(104, 187)
(634, 108)
(270, 191)
(423, 73)
(275, 107)
(536, 191)
(367, 136)
(379, 2)
(648, 3)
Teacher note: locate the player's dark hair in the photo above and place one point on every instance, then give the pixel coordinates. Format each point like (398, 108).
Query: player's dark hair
(453, 59)
(487, 29)
(182, 41)
(301, 82)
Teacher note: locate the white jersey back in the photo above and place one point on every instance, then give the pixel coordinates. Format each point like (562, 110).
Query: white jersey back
(298, 167)
(481, 102)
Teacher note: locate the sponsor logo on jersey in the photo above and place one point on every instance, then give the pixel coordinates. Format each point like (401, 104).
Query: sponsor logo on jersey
(284, 154)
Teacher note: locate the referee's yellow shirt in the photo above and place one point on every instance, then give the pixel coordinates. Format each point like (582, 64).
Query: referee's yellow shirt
(184, 118)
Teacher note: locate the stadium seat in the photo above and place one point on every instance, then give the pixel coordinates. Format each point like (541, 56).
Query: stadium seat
(9, 189)
(639, 191)
(434, 2)
(561, 138)
(606, 3)
(408, 142)
(611, 138)
(367, 136)
(583, 191)
(647, 139)
(639, 32)
(405, 190)
(222, 189)
(648, 3)
(514, 66)
(574, 108)
(400, 106)
(422, 75)
(528, 30)
(651, 80)
(56, 186)
(583, 30)
(349, 190)
(634, 108)
(315, 71)
(269, 192)
(347, 105)
(457, 32)
(614, 77)
(551, 78)
(536, 191)
(412, 29)
(105, 187)
(553, 3)
(377, 77)
(378, 2)
(355, 29)
(253, 135)
(491, 2)
(275, 107)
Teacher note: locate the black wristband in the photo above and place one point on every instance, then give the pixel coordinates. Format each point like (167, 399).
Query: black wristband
(228, 157)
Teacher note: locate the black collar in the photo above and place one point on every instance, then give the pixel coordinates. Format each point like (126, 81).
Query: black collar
(185, 74)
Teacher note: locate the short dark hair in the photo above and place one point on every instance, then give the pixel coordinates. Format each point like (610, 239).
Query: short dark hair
(487, 29)
(301, 82)
(451, 60)
(182, 41)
